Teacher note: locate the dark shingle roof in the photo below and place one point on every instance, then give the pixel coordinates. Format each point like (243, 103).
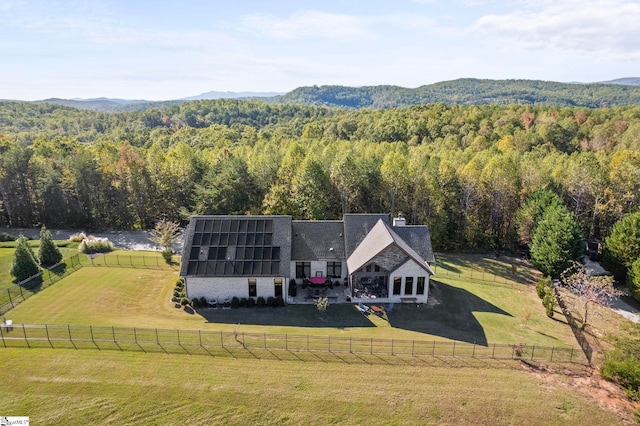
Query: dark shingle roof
(317, 240)
(419, 238)
(357, 226)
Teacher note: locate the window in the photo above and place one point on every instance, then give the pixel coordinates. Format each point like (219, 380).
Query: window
(420, 288)
(253, 288)
(277, 291)
(408, 285)
(303, 269)
(397, 284)
(334, 269)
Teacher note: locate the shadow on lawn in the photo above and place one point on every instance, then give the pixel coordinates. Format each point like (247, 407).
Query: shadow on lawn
(449, 314)
(336, 316)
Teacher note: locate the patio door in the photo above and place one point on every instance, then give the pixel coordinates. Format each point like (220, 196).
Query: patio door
(277, 290)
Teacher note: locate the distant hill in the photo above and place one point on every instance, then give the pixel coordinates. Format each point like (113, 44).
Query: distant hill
(108, 104)
(465, 91)
(231, 95)
(626, 81)
(470, 91)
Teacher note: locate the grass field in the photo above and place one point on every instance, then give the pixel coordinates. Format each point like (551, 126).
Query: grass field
(92, 387)
(104, 387)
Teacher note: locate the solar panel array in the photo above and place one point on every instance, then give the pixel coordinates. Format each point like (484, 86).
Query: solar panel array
(228, 247)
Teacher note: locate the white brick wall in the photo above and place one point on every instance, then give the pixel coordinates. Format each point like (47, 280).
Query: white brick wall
(222, 288)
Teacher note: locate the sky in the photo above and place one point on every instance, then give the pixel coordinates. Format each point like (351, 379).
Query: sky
(160, 50)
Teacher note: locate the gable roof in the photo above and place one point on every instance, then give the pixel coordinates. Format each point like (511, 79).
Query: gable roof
(378, 239)
(317, 240)
(419, 238)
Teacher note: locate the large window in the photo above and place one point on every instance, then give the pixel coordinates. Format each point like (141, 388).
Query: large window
(397, 284)
(420, 288)
(303, 269)
(253, 288)
(408, 285)
(334, 269)
(277, 291)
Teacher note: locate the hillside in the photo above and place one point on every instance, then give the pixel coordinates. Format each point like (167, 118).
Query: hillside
(471, 92)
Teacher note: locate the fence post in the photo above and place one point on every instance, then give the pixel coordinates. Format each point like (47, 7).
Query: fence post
(571, 356)
(286, 341)
(493, 355)
(533, 349)
(371, 347)
(24, 331)
(135, 335)
(552, 349)
(433, 350)
(46, 328)
(158, 340)
(113, 332)
(454, 348)
(2, 334)
(221, 339)
(91, 331)
(329, 344)
(199, 337)
(144, 262)
(350, 351)
(243, 341)
(391, 346)
(179, 338)
(264, 340)
(9, 293)
(473, 354)
(69, 331)
(131, 260)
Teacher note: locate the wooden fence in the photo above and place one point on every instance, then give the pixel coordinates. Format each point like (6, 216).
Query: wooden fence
(143, 339)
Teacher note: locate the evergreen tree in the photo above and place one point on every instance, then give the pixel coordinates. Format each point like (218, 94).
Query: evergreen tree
(557, 241)
(24, 261)
(622, 246)
(531, 212)
(48, 254)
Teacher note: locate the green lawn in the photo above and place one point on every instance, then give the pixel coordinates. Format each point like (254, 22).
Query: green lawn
(461, 310)
(67, 249)
(106, 387)
(94, 386)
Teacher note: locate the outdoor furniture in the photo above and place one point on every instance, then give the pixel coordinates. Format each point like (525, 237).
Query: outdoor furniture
(318, 280)
(377, 310)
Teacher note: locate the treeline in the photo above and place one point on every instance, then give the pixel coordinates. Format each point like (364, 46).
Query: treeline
(469, 91)
(463, 170)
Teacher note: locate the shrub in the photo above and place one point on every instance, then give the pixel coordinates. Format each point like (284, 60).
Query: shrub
(4, 237)
(167, 255)
(203, 301)
(279, 301)
(243, 302)
(542, 285)
(195, 302)
(78, 237)
(174, 298)
(270, 301)
(251, 302)
(235, 302)
(180, 283)
(261, 302)
(184, 301)
(91, 245)
(176, 293)
(549, 301)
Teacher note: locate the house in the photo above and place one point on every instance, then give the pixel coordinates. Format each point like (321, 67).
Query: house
(252, 256)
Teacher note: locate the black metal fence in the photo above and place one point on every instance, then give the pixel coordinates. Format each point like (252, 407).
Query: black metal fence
(25, 289)
(136, 339)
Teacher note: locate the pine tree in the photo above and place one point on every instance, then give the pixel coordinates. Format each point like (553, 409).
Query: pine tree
(557, 241)
(24, 261)
(48, 254)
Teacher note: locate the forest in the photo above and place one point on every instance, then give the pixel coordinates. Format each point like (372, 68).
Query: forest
(464, 170)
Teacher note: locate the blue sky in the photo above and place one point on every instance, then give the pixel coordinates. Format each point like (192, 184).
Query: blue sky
(140, 49)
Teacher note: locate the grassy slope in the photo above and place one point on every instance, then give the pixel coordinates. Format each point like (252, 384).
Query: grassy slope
(92, 387)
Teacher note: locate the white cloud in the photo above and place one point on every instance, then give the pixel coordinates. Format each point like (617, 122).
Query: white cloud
(308, 24)
(603, 27)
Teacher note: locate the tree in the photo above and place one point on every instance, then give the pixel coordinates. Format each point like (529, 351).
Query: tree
(532, 211)
(165, 234)
(48, 253)
(557, 241)
(24, 261)
(633, 280)
(622, 246)
(587, 289)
